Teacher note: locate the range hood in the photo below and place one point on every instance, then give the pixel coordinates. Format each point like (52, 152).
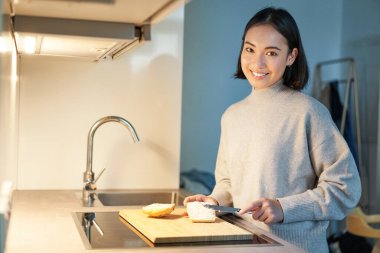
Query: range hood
(87, 29)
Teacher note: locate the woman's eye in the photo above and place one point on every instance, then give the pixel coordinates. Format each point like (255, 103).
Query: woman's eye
(249, 50)
(272, 53)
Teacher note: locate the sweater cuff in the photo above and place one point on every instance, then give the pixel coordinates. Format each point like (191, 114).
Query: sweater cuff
(223, 197)
(297, 208)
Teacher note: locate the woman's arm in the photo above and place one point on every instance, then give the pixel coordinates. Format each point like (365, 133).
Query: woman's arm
(338, 188)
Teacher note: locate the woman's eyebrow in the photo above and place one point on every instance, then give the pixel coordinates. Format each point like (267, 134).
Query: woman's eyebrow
(270, 47)
(273, 47)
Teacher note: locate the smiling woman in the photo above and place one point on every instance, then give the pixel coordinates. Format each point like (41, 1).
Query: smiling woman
(280, 155)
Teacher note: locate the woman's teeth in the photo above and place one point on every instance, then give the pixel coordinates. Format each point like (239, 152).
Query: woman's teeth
(258, 74)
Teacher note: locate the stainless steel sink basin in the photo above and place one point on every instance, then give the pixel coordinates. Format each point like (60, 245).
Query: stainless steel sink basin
(139, 198)
(106, 230)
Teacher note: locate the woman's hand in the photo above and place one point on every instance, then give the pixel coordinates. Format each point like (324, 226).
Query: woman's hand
(265, 210)
(200, 198)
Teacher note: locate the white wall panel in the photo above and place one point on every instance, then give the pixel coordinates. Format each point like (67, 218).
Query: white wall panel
(9, 98)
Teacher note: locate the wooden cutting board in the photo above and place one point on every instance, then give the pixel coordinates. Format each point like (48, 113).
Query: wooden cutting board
(176, 228)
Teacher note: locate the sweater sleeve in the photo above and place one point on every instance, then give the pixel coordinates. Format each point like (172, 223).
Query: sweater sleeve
(338, 186)
(222, 189)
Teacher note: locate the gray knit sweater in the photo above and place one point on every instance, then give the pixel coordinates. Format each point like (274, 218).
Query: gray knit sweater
(282, 144)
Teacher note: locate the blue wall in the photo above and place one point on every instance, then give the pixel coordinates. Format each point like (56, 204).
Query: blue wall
(361, 40)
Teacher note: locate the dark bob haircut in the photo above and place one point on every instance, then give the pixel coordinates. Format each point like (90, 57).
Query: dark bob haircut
(297, 75)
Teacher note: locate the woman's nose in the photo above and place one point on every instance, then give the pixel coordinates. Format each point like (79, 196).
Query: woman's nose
(255, 60)
(258, 60)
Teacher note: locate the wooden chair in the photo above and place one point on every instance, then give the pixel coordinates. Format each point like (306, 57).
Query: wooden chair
(358, 224)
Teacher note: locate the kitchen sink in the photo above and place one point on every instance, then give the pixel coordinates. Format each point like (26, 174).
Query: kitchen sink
(139, 198)
(107, 230)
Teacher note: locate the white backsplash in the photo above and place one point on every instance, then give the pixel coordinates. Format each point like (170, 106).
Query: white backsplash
(60, 99)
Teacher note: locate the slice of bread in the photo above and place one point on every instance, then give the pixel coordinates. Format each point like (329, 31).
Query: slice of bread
(158, 210)
(199, 213)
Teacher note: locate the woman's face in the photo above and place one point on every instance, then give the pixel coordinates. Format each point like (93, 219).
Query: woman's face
(265, 56)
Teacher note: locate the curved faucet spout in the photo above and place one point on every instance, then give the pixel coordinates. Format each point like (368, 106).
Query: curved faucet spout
(88, 177)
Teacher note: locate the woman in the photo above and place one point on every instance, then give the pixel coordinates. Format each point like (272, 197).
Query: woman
(280, 154)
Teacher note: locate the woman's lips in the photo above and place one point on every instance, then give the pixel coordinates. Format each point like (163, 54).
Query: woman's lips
(258, 74)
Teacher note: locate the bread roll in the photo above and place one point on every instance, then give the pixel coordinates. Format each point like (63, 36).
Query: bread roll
(199, 213)
(158, 210)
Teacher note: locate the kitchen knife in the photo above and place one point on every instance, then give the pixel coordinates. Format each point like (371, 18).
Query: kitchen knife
(224, 209)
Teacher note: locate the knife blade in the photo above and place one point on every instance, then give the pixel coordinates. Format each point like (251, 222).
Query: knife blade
(224, 209)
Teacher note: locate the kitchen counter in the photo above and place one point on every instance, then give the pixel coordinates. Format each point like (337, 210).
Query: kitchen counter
(42, 221)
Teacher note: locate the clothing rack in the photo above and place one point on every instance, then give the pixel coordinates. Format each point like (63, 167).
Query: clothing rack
(350, 85)
(351, 80)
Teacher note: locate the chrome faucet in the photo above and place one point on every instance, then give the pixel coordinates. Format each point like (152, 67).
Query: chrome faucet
(88, 176)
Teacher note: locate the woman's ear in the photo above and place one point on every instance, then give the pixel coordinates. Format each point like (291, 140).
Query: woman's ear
(292, 57)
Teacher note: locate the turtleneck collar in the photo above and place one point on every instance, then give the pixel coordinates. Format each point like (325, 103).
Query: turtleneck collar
(266, 93)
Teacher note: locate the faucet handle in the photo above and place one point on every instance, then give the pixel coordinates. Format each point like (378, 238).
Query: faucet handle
(90, 188)
(101, 173)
